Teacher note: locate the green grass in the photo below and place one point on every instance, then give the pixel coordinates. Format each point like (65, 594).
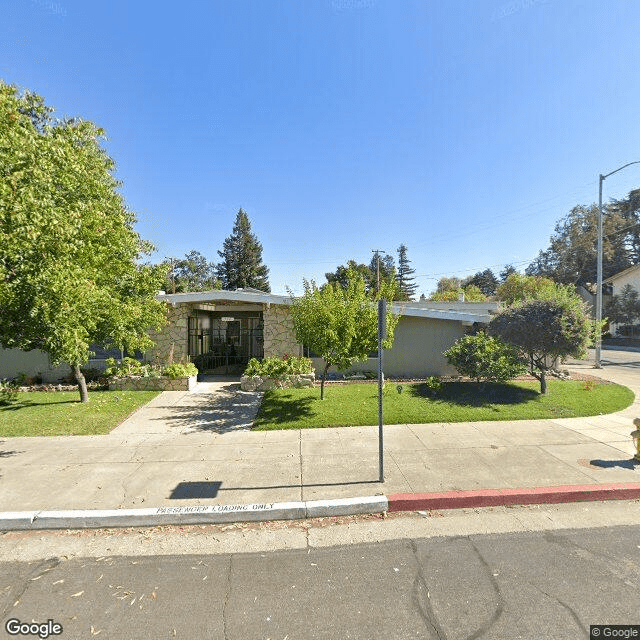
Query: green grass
(356, 404)
(60, 413)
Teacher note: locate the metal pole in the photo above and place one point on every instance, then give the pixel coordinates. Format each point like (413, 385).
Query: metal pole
(597, 363)
(382, 326)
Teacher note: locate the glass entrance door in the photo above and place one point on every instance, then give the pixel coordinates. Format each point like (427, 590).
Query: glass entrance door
(223, 343)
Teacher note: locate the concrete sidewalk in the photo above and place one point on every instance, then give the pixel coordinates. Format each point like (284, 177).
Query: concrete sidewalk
(196, 449)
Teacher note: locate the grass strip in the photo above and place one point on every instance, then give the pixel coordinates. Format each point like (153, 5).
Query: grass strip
(60, 413)
(356, 404)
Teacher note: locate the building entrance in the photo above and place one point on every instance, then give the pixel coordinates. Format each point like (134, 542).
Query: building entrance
(223, 342)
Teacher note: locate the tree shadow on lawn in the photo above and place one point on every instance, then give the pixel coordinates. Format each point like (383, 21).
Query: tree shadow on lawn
(283, 408)
(16, 406)
(476, 394)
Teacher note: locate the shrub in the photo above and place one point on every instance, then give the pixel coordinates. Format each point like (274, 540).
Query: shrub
(177, 370)
(278, 367)
(8, 392)
(127, 367)
(485, 359)
(433, 383)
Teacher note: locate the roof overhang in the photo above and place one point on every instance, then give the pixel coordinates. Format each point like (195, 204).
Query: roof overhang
(223, 296)
(403, 309)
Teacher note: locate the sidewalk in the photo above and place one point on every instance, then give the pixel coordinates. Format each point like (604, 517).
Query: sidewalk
(195, 449)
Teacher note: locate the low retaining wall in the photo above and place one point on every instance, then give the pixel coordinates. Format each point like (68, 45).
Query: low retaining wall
(260, 383)
(153, 384)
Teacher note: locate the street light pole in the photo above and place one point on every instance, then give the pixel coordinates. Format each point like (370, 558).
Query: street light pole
(602, 178)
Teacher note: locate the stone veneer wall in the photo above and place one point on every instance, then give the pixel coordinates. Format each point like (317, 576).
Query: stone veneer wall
(153, 384)
(260, 383)
(172, 338)
(279, 338)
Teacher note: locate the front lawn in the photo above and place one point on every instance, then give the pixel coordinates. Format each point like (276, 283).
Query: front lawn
(353, 405)
(60, 413)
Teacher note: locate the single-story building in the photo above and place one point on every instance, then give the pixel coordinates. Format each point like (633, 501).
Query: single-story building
(220, 331)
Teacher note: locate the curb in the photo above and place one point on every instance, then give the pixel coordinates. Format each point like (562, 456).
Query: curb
(213, 514)
(510, 497)
(220, 513)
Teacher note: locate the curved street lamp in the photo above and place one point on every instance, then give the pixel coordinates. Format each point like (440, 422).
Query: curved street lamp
(598, 364)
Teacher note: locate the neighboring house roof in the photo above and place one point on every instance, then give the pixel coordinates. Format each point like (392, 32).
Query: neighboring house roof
(260, 297)
(622, 274)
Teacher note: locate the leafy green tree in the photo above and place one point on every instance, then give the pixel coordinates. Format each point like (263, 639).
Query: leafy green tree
(486, 281)
(193, 273)
(470, 293)
(571, 256)
(545, 330)
(241, 254)
(448, 284)
(341, 275)
(517, 288)
(508, 270)
(340, 324)
(407, 286)
(485, 358)
(69, 271)
(624, 309)
(473, 294)
(447, 296)
(629, 210)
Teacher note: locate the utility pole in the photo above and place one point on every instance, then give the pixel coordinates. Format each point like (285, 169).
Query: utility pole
(378, 252)
(173, 275)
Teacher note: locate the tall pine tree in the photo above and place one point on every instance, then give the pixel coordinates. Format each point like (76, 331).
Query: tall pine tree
(241, 254)
(406, 282)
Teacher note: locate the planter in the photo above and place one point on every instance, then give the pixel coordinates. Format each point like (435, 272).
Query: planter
(153, 384)
(264, 383)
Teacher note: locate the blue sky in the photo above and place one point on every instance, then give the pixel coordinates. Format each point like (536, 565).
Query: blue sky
(463, 129)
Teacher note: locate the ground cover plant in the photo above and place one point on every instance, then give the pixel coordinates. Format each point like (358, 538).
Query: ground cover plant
(416, 403)
(60, 413)
(279, 367)
(130, 367)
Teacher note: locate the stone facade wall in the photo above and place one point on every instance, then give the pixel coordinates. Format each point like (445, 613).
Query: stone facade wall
(172, 341)
(153, 384)
(279, 338)
(260, 383)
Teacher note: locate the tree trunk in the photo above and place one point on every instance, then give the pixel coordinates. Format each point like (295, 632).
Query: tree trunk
(324, 376)
(543, 383)
(82, 383)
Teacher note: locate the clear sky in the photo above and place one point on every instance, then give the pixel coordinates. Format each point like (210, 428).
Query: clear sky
(463, 129)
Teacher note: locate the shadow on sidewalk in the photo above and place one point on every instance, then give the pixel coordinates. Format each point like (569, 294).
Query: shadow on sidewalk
(207, 490)
(610, 464)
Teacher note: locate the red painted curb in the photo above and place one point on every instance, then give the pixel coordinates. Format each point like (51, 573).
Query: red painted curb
(504, 497)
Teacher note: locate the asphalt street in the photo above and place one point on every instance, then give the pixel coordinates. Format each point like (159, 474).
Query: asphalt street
(553, 582)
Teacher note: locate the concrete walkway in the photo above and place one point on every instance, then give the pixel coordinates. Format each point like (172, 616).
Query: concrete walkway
(196, 449)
